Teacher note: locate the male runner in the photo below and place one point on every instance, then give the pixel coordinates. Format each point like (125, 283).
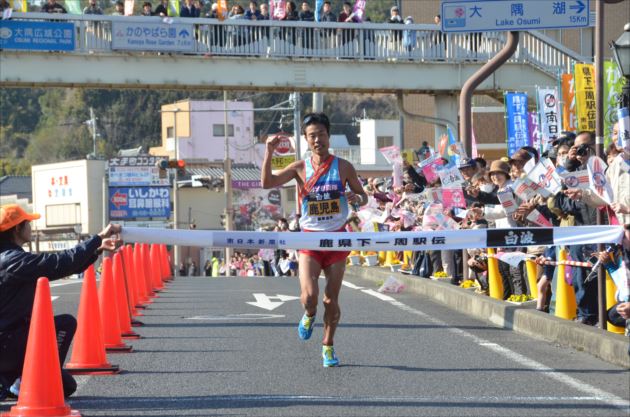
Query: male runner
(322, 181)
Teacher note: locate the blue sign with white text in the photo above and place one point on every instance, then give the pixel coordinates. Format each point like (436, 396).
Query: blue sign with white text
(511, 15)
(135, 202)
(37, 36)
(516, 121)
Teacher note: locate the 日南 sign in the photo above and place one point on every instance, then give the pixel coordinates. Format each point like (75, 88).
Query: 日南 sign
(513, 15)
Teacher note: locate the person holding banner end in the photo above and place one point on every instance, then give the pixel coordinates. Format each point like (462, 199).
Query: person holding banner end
(322, 181)
(19, 272)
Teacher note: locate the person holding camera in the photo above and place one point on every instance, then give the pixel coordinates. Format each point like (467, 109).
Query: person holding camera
(581, 205)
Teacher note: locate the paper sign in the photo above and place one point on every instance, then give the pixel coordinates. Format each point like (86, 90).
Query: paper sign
(512, 258)
(392, 154)
(536, 217)
(545, 177)
(450, 175)
(523, 188)
(507, 201)
(430, 166)
(453, 197)
(598, 181)
(409, 155)
(623, 137)
(576, 179)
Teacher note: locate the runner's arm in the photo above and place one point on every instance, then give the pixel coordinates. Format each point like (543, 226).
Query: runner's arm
(358, 195)
(270, 180)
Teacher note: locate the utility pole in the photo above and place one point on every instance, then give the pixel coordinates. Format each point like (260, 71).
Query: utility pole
(227, 182)
(92, 124)
(175, 199)
(297, 120)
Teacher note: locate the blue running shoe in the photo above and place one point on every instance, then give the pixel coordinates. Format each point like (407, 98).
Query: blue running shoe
(305, 328)
(330, 359)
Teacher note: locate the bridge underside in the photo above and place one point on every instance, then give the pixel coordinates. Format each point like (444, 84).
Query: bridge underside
(183, 72)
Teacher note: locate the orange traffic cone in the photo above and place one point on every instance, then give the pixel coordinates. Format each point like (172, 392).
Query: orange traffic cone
(166, 266)
(155, 268)
(146, 269)
(124, 318)
(145, 294)
(41, 392)
(109, 311)
(129, 284)
(88, 353)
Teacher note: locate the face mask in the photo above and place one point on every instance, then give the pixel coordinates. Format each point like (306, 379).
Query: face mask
(561, 161)
(487, 188)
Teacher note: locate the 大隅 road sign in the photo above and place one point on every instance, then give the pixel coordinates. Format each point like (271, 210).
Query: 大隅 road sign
(508, 15)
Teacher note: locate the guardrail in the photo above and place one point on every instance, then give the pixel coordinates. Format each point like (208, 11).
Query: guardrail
(311, 40)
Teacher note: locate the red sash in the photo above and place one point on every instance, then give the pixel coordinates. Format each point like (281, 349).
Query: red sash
(321, 170)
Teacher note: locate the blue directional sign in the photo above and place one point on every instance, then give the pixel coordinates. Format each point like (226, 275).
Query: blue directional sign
(508, 15)
(149, 36)
(37, 36)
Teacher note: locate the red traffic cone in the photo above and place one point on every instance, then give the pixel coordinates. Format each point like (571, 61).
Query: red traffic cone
(122, 300)
(148, 270)
(128, 282)
(109, 311)
(155, 268)
(41, 392)
(166, 267)
(145, 293)
(88, 353)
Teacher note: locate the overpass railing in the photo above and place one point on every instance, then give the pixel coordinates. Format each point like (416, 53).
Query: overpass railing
(308, 40)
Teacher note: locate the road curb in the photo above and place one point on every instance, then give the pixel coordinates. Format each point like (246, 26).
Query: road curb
(610, 347)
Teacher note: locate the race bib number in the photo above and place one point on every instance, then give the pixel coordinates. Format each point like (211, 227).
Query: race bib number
(324, 207)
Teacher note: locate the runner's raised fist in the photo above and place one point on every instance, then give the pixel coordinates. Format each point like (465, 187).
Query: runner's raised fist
(272, 143)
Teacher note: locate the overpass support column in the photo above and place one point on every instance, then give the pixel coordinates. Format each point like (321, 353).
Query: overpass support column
(446, 106)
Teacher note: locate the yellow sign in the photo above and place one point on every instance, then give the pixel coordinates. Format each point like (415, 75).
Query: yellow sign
(569, 121)
(408, 155)
(324, 207)
(585, 96)
(280, 162)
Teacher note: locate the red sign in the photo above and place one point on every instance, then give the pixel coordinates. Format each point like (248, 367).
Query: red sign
(119, 199)
(284, 146)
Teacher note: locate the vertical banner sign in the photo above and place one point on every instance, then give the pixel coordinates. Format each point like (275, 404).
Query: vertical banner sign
(623, 136)
(318, 9)
(549, 115)
(222, 9)
(516, 121)
(569, 118)
(535, 135)
(74, 6)
(277, 9)
(613, 82)
(129, 8)
(585, 96)
(19, 5)
(359, 9)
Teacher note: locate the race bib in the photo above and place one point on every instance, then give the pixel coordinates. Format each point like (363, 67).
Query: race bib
(324, 207)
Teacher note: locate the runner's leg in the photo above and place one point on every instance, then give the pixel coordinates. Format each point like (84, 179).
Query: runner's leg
(309, 271)
(332, 312)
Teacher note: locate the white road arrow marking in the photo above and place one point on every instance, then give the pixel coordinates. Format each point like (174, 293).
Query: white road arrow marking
(265, 301)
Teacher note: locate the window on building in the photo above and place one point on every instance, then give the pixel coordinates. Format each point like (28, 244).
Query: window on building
(384, 141)
(219, 130)
(169, 132)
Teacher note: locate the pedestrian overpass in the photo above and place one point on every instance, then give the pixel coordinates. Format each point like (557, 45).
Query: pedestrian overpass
(279, 56)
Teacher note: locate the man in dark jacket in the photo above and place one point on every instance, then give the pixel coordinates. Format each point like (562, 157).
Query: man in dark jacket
(19, 271)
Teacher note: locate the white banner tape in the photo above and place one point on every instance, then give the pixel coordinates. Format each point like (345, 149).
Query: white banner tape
(379, 241)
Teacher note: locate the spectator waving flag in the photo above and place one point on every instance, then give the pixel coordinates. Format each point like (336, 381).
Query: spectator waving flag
(318, 9)
(129, 8)
(222, 9)
(19, 5)
(74, 6)
(277, 9)
(599, 183)
(359, 10)
(173, 8)
(545, 176)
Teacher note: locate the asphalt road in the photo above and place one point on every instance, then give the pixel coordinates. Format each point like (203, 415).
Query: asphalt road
(207, 352)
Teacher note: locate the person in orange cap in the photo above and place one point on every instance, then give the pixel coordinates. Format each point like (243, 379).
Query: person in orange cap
(19, 271)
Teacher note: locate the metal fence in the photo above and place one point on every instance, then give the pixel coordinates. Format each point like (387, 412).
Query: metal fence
(323, 40)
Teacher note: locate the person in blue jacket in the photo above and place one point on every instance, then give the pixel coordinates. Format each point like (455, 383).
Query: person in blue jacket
(19, 271)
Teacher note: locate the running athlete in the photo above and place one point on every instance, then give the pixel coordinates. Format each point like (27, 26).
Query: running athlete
(322, 182)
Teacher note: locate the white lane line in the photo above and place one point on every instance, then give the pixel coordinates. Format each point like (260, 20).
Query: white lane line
(62, 283)
(438, 400)
(591, 391)
(378, 295)
(351, 285)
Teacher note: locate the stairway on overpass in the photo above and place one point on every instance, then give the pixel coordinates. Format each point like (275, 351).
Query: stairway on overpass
(282, 56)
